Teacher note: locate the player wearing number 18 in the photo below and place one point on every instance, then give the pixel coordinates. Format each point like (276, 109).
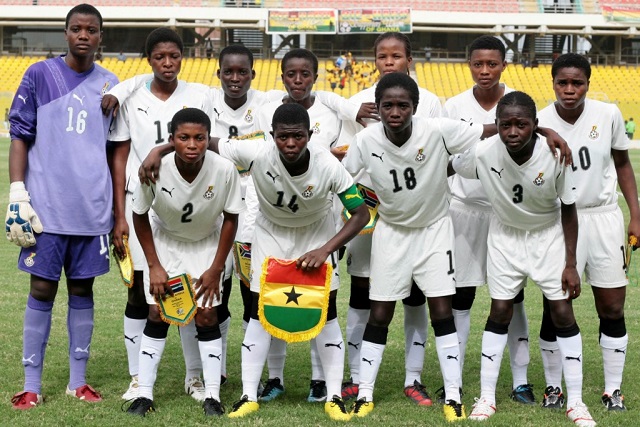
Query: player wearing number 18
(59, 153)
(406, 158)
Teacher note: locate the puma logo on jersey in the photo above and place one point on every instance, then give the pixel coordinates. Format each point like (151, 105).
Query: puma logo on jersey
(80, 100)
(23, 98)
(273, 177)
(489, 357)
(499, 173)
(82, 350)
(544, 349)
(339, 345)
(248, 347)
(29, 359)
(573, 358)
(215, 110)
(144, 111)
(452, 357)
(353, 345)
(470, 121)
(213, 356)
(378, 156)
(421, 344)
(538, 181)
(351, 196)
(168, 192)
(370, 362)
(133, 339)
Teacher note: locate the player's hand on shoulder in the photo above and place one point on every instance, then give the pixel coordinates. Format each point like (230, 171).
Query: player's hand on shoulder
(21, 221)
(149, 170)
(312, 259)
(367, 110)
(571, 282)
(109, 105)
(208, 286)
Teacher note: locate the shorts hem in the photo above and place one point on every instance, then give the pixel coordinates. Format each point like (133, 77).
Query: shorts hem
(470, 284)
(387, 298)
(35, 273)
(608, 285)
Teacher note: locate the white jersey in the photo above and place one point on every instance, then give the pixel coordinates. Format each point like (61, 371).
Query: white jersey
(411, 180)
(466, 107)
(232, 123)
(522, 196)
(325, 123)
(598, 130)
(190, 211)
(285, 200)
(145, 120)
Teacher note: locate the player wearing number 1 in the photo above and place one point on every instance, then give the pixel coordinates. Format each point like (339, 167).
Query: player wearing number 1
(59, 153)
(406, 158)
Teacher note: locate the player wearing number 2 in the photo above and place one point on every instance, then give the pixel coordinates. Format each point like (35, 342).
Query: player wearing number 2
(596, 134)
(59, 153)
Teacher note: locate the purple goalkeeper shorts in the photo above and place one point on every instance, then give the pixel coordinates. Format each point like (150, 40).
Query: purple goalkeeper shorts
(82, 257)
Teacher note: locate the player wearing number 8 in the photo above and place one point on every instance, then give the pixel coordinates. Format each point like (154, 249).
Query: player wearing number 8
(406, 158)
(59, 154)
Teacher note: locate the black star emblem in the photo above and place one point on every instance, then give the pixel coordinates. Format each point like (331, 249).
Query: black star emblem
(292, 296)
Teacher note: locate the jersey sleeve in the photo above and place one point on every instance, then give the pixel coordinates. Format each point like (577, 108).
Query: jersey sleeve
(233, 204)
(434, 107)
(564, 184)
(619, 140)
(242, 152)
(352, 162)
(465, 164)
(23, 113)
(120, 130)
(459, 136)
(123, 90)
(143, 198)
(345, 109)
(342, 180)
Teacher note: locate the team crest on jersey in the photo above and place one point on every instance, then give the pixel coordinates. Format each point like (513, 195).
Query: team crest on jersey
(593, 134)
(308, 192)
(420, 156)
(209, 193)
(539, 180)
(28, 261)
(105, 88)
(248, 117)
(316, 128)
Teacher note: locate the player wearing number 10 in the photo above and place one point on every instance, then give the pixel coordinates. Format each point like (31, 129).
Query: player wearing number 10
(59, 153)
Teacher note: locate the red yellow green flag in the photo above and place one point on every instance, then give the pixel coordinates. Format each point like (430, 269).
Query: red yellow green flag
(293, 302)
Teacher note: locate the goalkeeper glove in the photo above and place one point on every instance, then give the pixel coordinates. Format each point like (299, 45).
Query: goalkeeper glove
(21, 221)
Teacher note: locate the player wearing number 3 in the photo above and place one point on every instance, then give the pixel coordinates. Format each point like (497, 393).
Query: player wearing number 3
(59, 153)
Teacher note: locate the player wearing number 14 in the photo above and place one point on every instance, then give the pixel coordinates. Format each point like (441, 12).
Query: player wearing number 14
(59, 154)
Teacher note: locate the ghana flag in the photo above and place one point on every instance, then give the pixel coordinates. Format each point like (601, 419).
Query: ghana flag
(293, 303)
(371, 200)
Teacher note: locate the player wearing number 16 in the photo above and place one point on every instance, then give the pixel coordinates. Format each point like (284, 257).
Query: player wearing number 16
(59, 154)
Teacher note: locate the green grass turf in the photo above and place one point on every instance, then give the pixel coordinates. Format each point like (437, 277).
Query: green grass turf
(108, 364)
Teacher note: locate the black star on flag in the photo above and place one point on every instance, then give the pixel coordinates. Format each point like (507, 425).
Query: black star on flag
(292, 296)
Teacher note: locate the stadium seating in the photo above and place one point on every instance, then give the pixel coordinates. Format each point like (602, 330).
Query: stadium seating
(616, 83)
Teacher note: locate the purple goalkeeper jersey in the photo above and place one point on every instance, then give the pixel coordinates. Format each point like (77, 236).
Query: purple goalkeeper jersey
(56, 111)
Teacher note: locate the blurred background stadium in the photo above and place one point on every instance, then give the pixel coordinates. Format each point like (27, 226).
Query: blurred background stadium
(534, 31)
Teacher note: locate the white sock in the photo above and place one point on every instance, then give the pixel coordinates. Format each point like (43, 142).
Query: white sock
(462, 319)
(492, 350)
(276, 358)
(614, 352)
(151, 350)
(356, 322)
(190, 351)
(317, 373)
(255, 347)
(244, 325)
(370, 359)
(518, 342)
(211, 356)
(551, 362)
(330, 348)
(571, 351)
(133, 329)
(448, 354)
(224, 331)
(415, 336)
